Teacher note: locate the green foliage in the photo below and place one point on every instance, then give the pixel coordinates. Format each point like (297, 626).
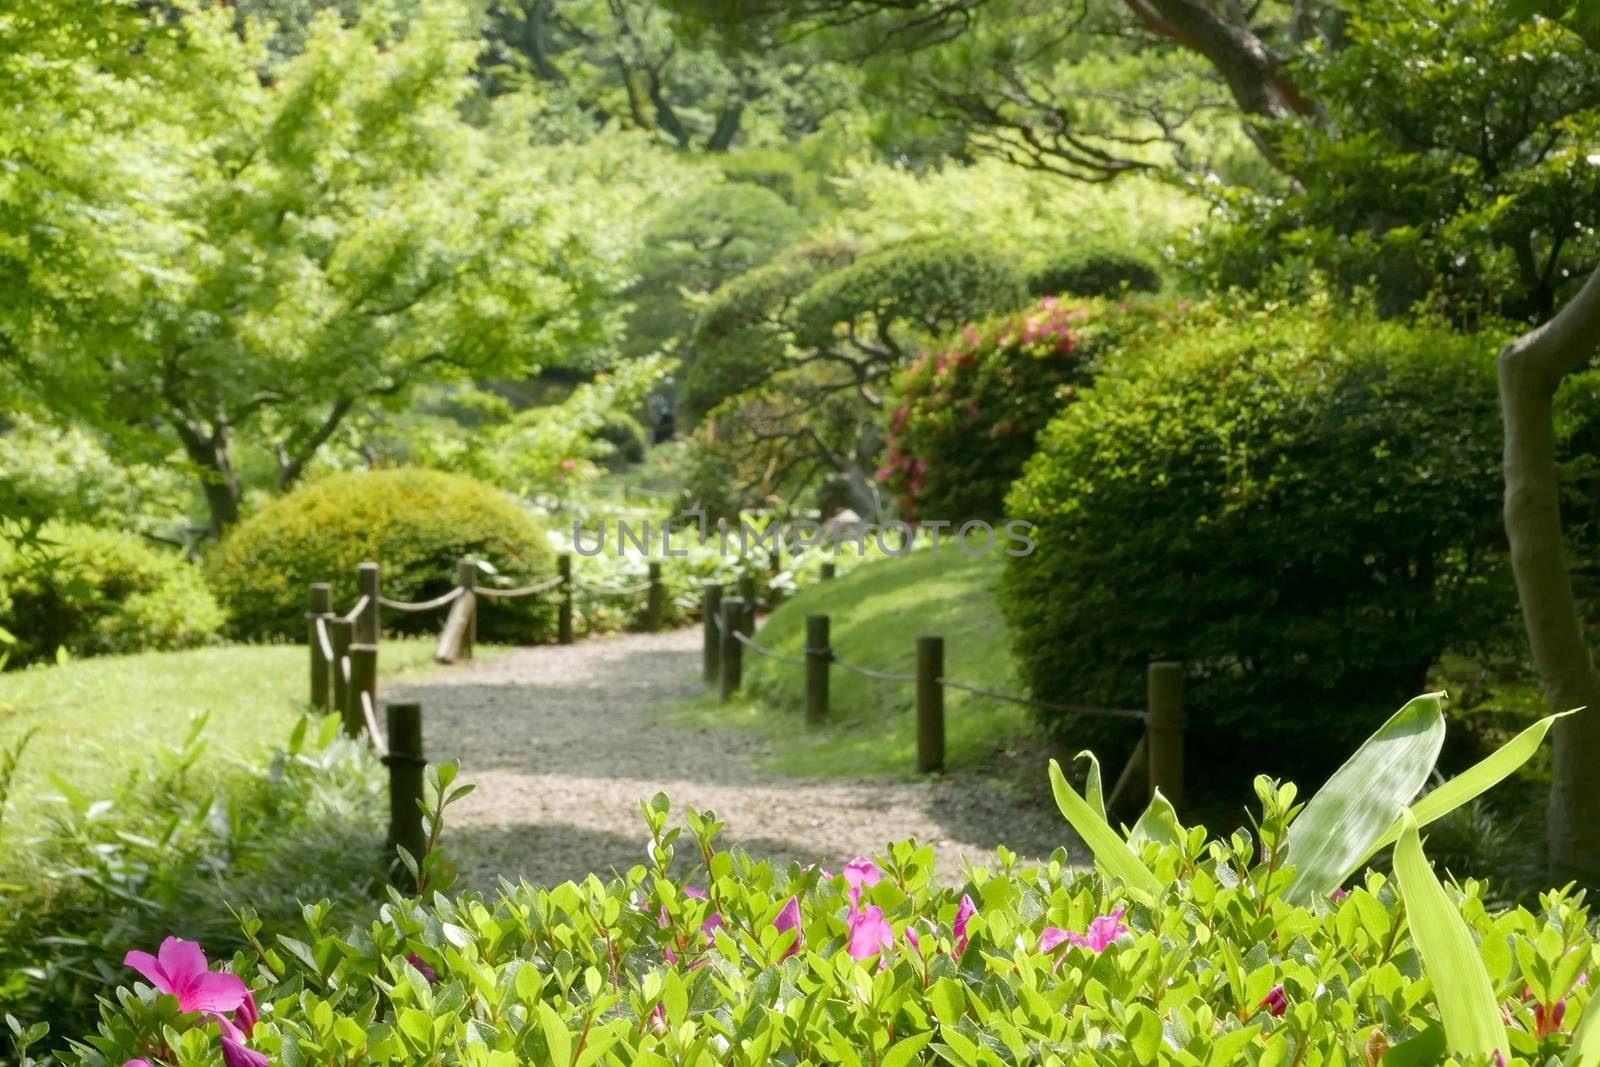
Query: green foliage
(1186, 952)
(414, 523)
(1457, 166)
(1301, 507)
(174, 851)
(94, 592)
(965, 415)
(1104, 272)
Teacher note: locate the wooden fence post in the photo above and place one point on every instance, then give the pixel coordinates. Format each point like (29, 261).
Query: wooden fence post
(319, 606)
(341, 635)
(363, 679)
(930, 704)
(467, 579)
(732, 619)
(747, 590)
(710, 612)
(654, 598)
(406, 763)
(564, 612)
(829, 569)
(774, 568)
(367, 586)
(818, 656)
(1164, 725)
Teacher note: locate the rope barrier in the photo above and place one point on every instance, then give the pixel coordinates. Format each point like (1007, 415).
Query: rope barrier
(527, 590)
(877, 676)
(751, 644)
(324, 645)
(371, 715)
(1045, 705)
(355, 613)
(611, 590)
(422, 605)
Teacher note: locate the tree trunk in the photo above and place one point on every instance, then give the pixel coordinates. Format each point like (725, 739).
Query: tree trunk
(1530, 370)
(209, 452)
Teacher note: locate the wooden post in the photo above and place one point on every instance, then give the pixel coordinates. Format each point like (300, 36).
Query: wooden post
(363, 679)
(1164, 724)
(818, 656)
(564, 612)
(654, 598)
(930, 704)
(747, 590)
(732, 619)
(367, 621)
(406, 763)
(341, 635)
(710, 612)
(774, 568)
(467, 579)
(829, 569)
(319, 606)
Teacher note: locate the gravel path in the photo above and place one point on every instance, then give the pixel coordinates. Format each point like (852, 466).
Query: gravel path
(562, 743)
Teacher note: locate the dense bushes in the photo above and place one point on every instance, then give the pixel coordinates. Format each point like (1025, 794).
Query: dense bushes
(1173, 949)
(1304, 510)
(97, 591)
(415, 523)
(964, 417)
(1095, 273)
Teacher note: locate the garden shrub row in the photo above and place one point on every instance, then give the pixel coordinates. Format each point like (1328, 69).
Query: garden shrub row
(1264, 947)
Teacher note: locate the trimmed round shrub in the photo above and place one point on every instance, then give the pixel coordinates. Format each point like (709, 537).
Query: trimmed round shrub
(414, 523)
(1304, 511)
(964, 417)
(94, 592)
(1095, 273)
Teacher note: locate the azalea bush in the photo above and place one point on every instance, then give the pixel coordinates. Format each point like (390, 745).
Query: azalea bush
(1269, 946)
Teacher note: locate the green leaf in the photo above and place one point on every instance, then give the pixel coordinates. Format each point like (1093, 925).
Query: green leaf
(1158, 823)
(1092, 790)
(1111, 854)
(1461, 986)
(905, 1050)
(1585, 1051)
(555, 1035)
(1355, 807)
(1419, 1050)
(1474, 781)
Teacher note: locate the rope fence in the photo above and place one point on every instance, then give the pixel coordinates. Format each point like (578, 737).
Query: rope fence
(1157, 759)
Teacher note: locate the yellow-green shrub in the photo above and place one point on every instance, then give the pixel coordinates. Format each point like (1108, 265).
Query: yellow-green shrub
(414, 523)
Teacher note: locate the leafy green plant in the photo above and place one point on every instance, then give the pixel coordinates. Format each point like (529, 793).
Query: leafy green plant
(414, 523)
(96, 591)
(1101, 272)
(1175, 949)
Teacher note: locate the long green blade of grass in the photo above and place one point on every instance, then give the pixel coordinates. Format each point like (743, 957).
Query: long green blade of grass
(1361, 800)
(1472, 782)
(1585, 1050)
(1461, 988)
(1111, 854)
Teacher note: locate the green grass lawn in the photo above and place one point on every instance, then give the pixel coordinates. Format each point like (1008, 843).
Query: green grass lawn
(876, 612)
(98, 720)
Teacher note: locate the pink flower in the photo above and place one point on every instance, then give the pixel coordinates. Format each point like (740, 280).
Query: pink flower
(861, 873)
(883, 474)
(179, 969)
(137, 1063)
(658, 1018)
(568, 464)
(1276, 1001)
(789, 919)
(423, 969)
(1547, 1023)
(1338, 895)
(1103, 930)
(235, 1053)
(713, 921)
(694, 894)
(964, 913)
(246, 1016)
(870, 934)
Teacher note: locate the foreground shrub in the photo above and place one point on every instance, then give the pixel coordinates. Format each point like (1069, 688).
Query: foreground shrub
(1303, 510)
(415, 523)
(1095, 273)
(1173, 949)
(177, 848)
(964, 417)
(94, 592)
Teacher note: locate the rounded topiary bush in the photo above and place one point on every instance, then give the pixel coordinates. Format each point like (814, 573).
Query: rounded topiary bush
(1095, 273)
(94, 591)
(414, 523)
(1304, 511)
(964, 417)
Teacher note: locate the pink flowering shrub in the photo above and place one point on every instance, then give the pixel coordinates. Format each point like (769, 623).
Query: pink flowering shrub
(962, 418)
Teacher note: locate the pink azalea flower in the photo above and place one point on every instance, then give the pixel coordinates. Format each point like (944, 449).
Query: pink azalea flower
(964, 913)
(1276, 1001)
(1547, 1023)
(911, 939)
(423, 969)
(883, 474)
(568, 464)
(694, 894)
(1102, 931)
(137, 1063)
(713, 921)
(235, 1053)
(789, 919)
(861, 873)
(246, 1016)
(1338, 895)
(870, 934)
(179, 969)
(670, 956)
